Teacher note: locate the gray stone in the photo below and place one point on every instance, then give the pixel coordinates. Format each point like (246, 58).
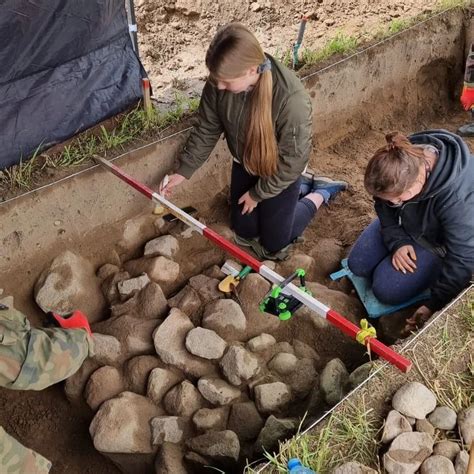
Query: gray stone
(261, 343)
(107, 349)
(304, 351)
(437, 465)
(424, 426)
(275, 430)
(443, 418)
(466, 425)
(122, 425)
(170, 429)
(245, 420)
(448, 449)
(68, 284)
(302, 379)
(360, 374)
(334, 381)
(217, 391)
(354, 467)
(284, 347)
(226, 318)
(137, 370)
(461, 462)
(205, 343)
(169, 340)
(218, 445)
(211, 419)
(414, 399)
(109, 286)
(239, 365)
(160, 381)
(106, 271)
(135, 230)
(165, 246)
(206, 288)
(395, 424)
(105, 383)
(272, 397)
(183, 400)
(407, 452)
(169, 460)
(188, 301)
(133, 285)
(283, 363)
(75, 385)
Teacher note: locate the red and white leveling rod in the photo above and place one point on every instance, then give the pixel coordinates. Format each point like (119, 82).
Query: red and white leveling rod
(322, 310)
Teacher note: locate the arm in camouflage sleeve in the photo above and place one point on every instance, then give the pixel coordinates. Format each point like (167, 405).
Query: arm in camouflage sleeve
(33, 359)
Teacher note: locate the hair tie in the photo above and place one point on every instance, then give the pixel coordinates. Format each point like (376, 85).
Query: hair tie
(265, 66)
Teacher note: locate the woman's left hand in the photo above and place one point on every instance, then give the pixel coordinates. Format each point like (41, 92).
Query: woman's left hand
(248, 203)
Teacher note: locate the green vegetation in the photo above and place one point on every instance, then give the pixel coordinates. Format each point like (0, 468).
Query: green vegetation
(130, 126)
(340, 44)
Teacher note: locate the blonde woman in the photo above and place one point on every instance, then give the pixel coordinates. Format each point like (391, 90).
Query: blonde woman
(265, 114)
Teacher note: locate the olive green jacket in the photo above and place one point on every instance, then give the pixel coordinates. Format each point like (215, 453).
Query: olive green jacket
(225, 112)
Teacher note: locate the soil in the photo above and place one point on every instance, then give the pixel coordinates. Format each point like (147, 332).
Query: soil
(174, 34)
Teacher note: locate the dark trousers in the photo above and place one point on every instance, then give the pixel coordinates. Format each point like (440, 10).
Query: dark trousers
(371, 259)
(276, 221)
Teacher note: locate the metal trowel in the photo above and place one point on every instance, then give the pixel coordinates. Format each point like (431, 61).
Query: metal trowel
(230, 282)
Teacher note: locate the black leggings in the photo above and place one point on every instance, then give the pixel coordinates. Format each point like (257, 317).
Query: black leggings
(277, 220)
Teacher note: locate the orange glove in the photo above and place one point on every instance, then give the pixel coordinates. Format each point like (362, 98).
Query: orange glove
(467, 96)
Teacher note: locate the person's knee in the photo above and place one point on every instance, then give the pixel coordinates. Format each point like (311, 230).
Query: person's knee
(359, 266)
(390, 294)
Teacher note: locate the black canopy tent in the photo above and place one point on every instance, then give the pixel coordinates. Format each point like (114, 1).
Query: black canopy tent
(65, 65)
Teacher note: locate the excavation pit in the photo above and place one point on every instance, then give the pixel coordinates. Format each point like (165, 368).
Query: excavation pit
(97, 218)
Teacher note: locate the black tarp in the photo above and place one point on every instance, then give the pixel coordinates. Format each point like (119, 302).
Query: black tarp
(64, 66)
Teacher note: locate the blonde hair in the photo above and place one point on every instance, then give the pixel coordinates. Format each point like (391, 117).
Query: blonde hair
(395, 167)
(232, 52)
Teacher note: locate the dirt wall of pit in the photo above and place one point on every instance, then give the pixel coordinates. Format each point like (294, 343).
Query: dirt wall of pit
(426, 60)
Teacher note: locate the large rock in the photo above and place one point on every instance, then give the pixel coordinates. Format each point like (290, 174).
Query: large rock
(107, 349)
(217, 391)
(437, 465)
(163, 271)
(407, 452)
(272, 397)
(466, 425)
(105, 383)
(221, 446)
(443, 418)
(354, 467)
(304, 351)
(75, 385)
(137, 370)
(245, 420)
(169, 460)
(164, 246)
(334, 381)
(160, 381)
(68, 284)
(135, 231)
(226, 318)
(414, 399)
(169, 340)
(303, 379)
(448, 449)
(127, 288)
(205, 343)
(206, 288)
(283, 363)
(109, 286)
(170, 429)
(211, 419)
(395, 424)
(461, 462)
(122, 425)
(360, 374)
(424, 426)
(298, 260)
(251, 292)
(275, 430)
(261, 343)
(188, 301)
(239, 365)
(183, 400)
(148, 303)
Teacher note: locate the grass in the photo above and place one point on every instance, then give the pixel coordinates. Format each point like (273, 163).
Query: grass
(349, 435)
(131, 126)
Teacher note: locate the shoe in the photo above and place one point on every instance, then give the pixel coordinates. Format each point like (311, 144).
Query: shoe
(260, 251)
(466, 130)
(327, 187)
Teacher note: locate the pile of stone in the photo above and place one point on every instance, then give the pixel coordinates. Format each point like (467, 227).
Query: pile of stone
(183, 377)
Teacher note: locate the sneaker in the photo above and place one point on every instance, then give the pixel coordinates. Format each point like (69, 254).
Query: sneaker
(466, 130)
(260, 251)
(327, 187)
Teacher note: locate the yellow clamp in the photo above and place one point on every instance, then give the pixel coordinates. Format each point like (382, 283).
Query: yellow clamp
(365, 332)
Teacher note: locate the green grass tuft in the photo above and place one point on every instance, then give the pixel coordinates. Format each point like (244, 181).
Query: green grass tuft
(340, 44)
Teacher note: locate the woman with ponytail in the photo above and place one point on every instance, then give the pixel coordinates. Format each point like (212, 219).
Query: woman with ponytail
(424, 235)
(265, 114)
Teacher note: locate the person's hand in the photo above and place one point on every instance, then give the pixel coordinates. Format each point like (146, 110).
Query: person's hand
(248, 203)
(467, 97)
(166, 186)
(404, 259)
(418, 319)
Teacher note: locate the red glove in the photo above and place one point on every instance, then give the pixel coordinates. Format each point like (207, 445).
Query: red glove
(467, 97)
(76, 320)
